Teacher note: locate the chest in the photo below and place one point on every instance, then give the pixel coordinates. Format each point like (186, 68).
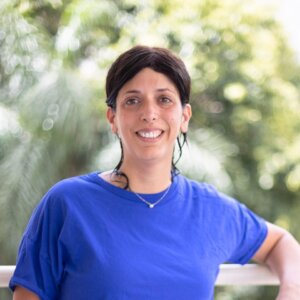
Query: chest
(131, 257)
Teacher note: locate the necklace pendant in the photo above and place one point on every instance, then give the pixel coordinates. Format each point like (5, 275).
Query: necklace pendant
(152, 205)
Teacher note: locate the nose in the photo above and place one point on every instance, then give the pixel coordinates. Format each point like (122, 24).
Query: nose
(149, 112)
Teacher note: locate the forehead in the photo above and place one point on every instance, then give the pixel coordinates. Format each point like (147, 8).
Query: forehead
(148, 79)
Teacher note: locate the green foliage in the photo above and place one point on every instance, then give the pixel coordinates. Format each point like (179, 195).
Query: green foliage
(244, 133)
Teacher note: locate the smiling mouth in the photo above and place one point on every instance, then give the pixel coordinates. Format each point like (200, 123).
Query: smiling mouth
(149, 134)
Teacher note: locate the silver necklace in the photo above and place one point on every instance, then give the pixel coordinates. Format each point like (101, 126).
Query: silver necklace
(152, 205)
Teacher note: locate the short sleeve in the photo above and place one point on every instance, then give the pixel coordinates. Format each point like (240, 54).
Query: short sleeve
(247, 233)
(39, 264)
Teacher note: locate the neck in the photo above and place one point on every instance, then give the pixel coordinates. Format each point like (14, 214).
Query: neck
(152, 178)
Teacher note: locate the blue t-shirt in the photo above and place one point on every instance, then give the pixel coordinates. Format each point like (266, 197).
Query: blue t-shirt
(89, 239)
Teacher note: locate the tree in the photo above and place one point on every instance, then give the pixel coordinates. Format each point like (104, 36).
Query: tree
(53, 60)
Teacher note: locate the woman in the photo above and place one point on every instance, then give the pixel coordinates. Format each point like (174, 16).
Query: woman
(142, 230)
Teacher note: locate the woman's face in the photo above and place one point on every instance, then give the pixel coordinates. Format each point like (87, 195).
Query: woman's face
(148, 117)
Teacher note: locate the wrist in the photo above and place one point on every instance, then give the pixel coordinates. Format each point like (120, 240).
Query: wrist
(289, 291)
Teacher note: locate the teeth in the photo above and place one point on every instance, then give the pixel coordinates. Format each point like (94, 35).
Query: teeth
(150, 134)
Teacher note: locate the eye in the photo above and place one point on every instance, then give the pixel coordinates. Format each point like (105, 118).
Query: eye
(131, 101)
(165, 100)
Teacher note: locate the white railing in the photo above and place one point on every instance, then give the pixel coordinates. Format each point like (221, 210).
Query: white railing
(250, 274)
(5, 275)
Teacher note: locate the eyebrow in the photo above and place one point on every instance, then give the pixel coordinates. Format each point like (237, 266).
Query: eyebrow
(133, 91)
(166, 90)
(158, 90)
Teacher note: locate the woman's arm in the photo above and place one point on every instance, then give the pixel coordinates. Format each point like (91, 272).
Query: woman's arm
(281, 252)
(21, 293)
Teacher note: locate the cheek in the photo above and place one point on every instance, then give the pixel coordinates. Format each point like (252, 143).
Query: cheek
(124, 123)
(175, 123)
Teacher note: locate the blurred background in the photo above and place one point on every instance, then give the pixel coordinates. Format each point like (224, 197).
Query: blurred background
(245, 133)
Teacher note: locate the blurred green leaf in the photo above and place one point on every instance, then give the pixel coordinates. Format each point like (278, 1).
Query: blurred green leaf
(244, 135)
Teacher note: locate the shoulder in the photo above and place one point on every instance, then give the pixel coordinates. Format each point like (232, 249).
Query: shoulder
(208, 197)
(66, 191)
(71, 185)
(202, 189)
(58, 201)
(68, 184)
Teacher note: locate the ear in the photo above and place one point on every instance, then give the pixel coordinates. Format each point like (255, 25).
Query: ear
(186, 115)
(110, 116)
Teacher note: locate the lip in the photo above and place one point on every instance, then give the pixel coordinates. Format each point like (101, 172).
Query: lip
(149, 134)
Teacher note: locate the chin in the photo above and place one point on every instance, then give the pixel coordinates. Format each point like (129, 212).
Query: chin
(154, 157)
